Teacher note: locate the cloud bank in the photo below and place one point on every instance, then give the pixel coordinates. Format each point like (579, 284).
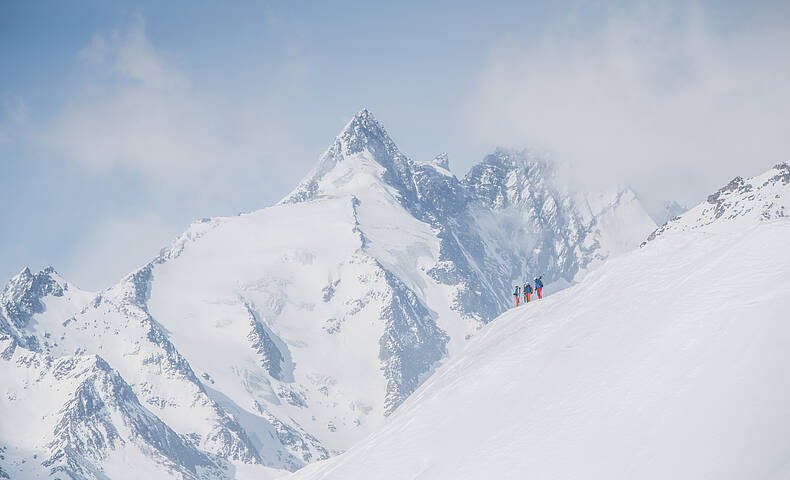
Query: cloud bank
(661, 98)
(116, 245)
(137, 113)
(179, 149)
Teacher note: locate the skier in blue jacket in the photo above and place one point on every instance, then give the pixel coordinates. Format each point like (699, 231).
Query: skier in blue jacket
(527, 291)
(539, 286)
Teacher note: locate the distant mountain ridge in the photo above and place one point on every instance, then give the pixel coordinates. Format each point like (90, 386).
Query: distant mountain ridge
(277, 338)
(762, 197)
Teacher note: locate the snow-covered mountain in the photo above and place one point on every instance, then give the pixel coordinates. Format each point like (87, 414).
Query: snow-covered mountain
(91, 420)
(507, 220)
(666, 362)
(263, 342)
(740, 202)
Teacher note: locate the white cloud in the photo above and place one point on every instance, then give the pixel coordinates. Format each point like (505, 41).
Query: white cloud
(95, 52)
(657, 97)
(181, 150)
(115, 246)
(13, 117)
(137, 113)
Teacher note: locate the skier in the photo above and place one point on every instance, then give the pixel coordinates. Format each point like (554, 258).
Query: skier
(527, 291)
(539, 286)
(517, 294)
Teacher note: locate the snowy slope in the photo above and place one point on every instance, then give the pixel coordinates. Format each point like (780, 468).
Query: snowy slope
(740, 202)
(667, 362)
(266, 341)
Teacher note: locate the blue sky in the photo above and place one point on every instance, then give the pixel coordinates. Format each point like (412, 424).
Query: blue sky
(120, 123)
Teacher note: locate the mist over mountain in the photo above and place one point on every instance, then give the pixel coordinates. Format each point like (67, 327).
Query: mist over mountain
(273, 339)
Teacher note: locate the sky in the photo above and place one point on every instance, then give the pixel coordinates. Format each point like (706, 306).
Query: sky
(122, 122)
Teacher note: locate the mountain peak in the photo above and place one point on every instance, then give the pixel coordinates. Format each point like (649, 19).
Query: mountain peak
(363, 136)
(365, 115)
(362, 119)
(21, 297)
(442, 161)
(360, 131)
(26, 279)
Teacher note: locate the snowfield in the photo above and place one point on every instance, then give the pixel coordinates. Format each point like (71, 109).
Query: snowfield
(667, 362)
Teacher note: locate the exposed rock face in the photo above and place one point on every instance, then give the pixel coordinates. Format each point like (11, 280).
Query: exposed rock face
(21, 300)
(412, 342)
(263, 343)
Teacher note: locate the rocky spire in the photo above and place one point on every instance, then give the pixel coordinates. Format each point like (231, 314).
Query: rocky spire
(363, 133)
